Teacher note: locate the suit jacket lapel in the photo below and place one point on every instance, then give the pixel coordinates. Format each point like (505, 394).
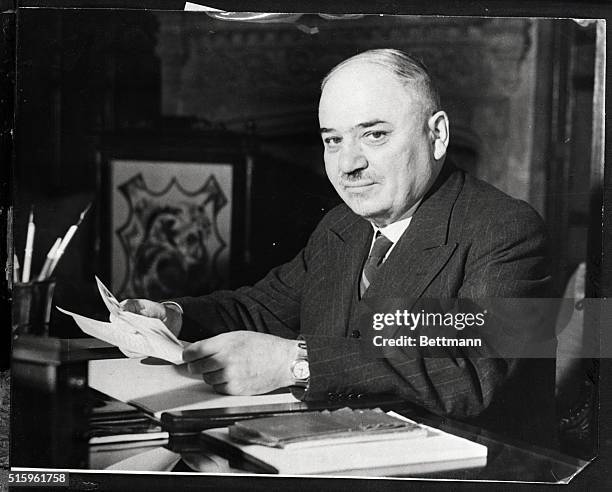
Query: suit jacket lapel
(348, 241)
(424, 248)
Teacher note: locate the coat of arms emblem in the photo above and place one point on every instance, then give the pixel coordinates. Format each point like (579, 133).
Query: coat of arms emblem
(170, 239)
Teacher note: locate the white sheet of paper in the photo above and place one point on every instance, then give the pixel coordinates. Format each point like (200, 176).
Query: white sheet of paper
(155, 459)
(190, 6)
(132, 333)
(124, 335)
(111, 302)
(146, 325)
(142, 324)
(161, 388)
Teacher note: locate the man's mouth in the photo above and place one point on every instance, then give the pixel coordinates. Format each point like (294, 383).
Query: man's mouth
(357, 185)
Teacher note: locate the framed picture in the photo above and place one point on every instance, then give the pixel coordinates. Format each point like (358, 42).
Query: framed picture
(173, 221)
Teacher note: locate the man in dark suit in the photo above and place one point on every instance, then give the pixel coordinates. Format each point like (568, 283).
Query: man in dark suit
(411, 226)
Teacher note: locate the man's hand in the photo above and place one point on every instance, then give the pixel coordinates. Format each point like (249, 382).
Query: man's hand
(171, 317)
(243, 362)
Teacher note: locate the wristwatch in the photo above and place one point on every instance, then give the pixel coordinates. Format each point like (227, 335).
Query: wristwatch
(300, 370)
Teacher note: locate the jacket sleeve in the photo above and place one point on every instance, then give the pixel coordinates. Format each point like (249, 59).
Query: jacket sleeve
(509, 261)
(271, 305)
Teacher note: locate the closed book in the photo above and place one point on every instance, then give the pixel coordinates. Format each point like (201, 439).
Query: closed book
(281, 431)
(409, 452)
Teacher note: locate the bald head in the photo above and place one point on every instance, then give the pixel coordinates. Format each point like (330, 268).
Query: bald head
(409, 71)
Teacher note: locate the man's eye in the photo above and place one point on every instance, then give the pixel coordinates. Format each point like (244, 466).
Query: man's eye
(332, 140)
(376, 136)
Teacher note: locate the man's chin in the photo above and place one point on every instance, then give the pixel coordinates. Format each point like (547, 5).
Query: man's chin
(366, 210)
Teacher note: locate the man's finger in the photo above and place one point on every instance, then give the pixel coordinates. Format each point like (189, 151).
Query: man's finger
(221, 388)
(144, 307)
(201, 349)
(131, 305)
(215, 378)
(204, 366)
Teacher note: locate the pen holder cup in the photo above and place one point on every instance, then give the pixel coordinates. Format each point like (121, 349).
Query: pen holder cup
(31, 310)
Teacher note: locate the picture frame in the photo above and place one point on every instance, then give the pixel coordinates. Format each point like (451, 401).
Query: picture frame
(173, 217)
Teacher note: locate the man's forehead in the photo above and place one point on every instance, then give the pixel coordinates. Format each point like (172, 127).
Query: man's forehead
(359, 76)
(362, 93)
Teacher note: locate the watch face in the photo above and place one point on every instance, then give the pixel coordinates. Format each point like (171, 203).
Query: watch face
(301, 370)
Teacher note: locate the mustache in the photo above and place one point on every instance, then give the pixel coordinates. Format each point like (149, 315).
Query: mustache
(357, 175)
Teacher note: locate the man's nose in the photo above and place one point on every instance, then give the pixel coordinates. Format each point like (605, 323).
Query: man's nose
(351, 158)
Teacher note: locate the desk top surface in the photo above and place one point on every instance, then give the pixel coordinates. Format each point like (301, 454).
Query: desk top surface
(506, 461)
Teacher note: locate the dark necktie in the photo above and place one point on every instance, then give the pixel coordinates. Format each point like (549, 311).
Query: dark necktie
(374, 261)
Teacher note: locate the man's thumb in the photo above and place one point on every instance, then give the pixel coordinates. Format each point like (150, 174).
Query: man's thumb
(132, 306)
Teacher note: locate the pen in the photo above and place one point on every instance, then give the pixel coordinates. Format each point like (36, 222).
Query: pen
(15, 268)
(27, 257)
(49, 261)
(66, 240)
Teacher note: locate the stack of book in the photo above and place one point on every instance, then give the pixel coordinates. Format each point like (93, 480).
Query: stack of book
(366, 442)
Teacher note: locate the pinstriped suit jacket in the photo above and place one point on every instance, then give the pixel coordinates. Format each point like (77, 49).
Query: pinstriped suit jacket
(468, 240)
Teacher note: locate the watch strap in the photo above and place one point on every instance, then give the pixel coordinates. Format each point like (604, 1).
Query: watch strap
(302, 355)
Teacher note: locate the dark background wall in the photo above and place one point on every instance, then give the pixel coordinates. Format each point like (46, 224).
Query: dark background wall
(518, 92)
(484, 68)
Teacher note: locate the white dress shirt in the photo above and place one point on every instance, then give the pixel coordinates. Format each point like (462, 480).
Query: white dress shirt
(392, 232)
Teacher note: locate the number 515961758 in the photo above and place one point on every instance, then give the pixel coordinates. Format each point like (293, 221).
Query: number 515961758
(29, 479)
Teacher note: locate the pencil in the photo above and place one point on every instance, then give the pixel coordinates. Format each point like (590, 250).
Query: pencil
(49, 261)
(27, 257)
(66, 240)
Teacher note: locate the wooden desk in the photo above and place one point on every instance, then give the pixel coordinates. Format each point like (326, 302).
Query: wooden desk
(507, 460)
(50, 399)
(48, 429)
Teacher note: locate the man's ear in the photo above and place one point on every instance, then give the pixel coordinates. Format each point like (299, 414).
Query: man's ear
(440, 132)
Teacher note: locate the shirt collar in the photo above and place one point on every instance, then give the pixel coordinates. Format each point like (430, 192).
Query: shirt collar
(395, 230)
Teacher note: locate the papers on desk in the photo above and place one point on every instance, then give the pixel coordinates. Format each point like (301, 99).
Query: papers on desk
(417, 450)
(132, 333)
(148, 458)
(159, 388)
